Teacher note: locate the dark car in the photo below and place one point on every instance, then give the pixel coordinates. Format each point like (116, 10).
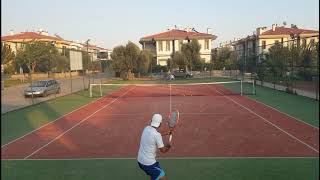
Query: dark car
(182, 74)
(42, 88)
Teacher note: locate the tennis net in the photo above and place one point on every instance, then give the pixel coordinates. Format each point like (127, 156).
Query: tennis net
(189, 89)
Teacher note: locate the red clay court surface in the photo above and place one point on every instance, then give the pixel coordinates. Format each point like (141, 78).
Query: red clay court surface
(212, 125)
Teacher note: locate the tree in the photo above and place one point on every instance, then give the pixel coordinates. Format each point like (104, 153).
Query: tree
(262, 70)
(125, 59)
(144, 61)
(6, 54)
(178, 60)
(7, 59)
(307, 61)
(225, 57)
(86, 60)
(60, 63)
(118, 57)
(35, 54)
(277, 61)
(132, 55)
(191, 51)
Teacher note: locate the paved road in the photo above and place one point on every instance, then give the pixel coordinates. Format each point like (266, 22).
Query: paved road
(12, 97)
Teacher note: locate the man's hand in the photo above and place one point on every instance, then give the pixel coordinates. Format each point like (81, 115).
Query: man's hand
(165, 148)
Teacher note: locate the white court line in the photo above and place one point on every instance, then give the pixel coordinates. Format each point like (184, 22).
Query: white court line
(285, 113)
(170, 158)
(50, 122)
(77, 124)
(292, 136)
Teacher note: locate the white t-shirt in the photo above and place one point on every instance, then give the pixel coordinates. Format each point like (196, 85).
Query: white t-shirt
(151, 140)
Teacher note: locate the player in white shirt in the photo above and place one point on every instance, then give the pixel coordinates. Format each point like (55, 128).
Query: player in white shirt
(151, 140)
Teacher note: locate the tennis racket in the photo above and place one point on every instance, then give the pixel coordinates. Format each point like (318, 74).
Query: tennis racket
(173, 121)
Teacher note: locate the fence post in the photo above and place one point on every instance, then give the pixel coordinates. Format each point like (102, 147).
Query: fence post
(241, 87)
(70, 81)
(317, 82)
(274, 80)
(54, 78)
(84, 87)
(100, 87)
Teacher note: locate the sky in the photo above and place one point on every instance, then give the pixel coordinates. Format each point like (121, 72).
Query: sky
(112, 23)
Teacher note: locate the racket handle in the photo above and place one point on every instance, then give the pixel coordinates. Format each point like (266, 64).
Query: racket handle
(170, 137)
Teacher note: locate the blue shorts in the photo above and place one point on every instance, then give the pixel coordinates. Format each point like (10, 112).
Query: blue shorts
(153, 170)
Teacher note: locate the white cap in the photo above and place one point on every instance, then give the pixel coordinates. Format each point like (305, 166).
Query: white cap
(156, 120)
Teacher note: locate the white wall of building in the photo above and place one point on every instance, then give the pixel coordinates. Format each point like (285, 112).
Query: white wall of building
(165, 54)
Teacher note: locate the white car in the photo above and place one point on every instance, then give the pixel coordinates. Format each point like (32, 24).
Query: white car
(42, 88)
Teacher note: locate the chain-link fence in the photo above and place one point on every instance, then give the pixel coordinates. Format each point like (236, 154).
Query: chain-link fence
(292, 79)
(72, 69)
(14, 96)
(291, 66)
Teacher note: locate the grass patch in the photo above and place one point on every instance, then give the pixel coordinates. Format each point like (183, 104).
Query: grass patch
(187, 169)
(303, 108)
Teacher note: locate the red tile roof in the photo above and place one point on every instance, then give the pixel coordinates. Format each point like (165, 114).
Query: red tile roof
(27, 35)
(288, 31)
(178, 34)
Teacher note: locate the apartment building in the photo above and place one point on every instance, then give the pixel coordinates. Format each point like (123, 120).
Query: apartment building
(16, 41)
(263, 39)
(162, 45)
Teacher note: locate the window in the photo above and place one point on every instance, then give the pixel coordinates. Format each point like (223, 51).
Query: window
(206, 44)
(160, 46)
(49, 83)
(263, 44)
(162, 62)
(167, 45)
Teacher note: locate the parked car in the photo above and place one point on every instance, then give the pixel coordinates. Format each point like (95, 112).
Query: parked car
(42, 88)
(182, 74)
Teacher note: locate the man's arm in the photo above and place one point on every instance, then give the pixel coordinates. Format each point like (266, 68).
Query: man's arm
(165, 148)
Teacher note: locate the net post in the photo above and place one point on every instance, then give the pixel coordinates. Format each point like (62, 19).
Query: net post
(241, 87)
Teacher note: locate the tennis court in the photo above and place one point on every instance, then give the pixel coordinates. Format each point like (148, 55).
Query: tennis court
(216, 122)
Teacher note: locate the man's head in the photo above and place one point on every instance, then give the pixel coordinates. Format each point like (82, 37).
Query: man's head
(156, 120)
